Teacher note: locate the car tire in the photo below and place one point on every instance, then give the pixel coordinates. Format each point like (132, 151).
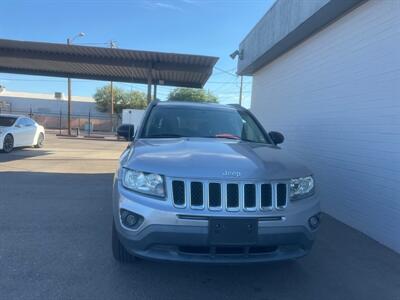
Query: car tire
(119, 252)
(40, 141)
(8, 143)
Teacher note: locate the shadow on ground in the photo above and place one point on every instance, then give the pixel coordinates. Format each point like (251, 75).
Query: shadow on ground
(22, 153)
(55, 241)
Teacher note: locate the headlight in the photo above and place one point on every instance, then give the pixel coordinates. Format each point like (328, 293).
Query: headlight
(124, 155)
(147, 183)
(301, 187)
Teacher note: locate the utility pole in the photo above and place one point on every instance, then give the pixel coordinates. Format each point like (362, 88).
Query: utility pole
(112, 106)
(112, 45)
(69, 42)
(241, 90)
(112, 99)
(69, 98)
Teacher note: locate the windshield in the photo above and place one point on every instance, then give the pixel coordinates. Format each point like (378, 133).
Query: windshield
(7, 121)
(169, 122)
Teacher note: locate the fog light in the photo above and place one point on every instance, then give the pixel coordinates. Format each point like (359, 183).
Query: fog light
(130, 219)
(314, 221)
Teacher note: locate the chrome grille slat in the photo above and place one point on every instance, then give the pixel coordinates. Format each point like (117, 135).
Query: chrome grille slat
(213, 195)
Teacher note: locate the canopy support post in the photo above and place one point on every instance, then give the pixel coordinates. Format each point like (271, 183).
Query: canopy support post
(155, 92)
(149, 83)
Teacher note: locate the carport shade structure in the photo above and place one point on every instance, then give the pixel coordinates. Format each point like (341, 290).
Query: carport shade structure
(108, 64)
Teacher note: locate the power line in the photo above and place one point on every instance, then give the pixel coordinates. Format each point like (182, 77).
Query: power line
(225, 71)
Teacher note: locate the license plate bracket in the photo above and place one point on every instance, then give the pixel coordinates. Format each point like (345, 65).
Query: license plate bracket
(232, 231)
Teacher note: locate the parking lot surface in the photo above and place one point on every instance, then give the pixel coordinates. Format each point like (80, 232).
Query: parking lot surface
(55, 243)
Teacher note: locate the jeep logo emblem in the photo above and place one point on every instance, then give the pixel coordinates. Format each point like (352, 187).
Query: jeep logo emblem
(231, 173)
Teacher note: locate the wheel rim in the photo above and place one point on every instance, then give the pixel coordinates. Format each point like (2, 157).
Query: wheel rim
(8, 143)
(40, 140)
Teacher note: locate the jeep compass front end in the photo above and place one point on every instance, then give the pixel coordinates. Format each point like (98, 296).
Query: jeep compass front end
(206, 183)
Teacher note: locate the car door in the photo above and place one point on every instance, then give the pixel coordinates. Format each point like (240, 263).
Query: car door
(24, 132)
(31, 129)
(19, 132)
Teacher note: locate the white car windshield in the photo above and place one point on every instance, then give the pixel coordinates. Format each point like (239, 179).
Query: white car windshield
(6, 121)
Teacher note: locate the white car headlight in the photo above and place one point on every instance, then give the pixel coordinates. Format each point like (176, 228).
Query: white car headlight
(147, 183)
(301, 187)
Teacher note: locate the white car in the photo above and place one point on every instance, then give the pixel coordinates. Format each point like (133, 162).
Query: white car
(20, 131)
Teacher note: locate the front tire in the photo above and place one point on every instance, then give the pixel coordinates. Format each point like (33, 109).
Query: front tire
(119, 252)
(8, 143)
(40, 141)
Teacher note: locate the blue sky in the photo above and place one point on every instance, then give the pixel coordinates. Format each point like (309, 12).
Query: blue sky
(208, 27)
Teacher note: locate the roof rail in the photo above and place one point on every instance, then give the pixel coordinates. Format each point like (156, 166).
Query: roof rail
(235, 105)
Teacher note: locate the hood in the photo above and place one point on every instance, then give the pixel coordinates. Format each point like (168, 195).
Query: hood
(205, 158)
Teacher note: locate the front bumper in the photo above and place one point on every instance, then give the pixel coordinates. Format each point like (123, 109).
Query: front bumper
(167, 233)
(1, 141)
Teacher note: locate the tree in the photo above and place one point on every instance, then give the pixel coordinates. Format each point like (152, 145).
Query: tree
(195, 95)
(122, 99)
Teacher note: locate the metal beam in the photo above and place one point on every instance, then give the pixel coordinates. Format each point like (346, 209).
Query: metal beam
(99, 60)
(97, 63)
(92, 76)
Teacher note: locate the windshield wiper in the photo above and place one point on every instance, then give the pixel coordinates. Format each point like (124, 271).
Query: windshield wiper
(227, 136)
(165, 136)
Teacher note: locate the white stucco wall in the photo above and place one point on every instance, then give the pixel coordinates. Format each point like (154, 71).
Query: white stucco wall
(336, 97)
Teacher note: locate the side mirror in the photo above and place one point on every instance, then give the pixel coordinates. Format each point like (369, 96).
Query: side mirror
(131, 133)
(276, 137)
(18, 126)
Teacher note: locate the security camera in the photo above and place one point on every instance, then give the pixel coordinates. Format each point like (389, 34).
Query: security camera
(234, 54)
(237, 53)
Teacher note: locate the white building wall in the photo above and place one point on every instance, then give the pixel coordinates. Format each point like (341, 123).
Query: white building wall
(336, 97)
(21, 102)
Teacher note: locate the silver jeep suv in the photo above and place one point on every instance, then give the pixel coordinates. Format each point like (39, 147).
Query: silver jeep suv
(206, 183)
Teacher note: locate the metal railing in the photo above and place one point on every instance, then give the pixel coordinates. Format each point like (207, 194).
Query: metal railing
(79, 122)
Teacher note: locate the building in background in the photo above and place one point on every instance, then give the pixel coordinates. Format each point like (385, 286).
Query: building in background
(50, 110)
(47, 103)
(326, 73)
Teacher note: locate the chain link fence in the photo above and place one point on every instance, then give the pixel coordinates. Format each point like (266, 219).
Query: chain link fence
(79, 122)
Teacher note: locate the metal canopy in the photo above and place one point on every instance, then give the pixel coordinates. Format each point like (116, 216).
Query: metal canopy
(59, 60)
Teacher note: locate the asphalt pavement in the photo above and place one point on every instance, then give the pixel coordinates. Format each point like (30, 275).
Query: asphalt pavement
(55, 243)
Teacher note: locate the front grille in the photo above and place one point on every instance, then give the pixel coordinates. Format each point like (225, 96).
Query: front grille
(196, 193)
(178, 188)
(204, 250)
(214, 195)
(232, 196)
(266, 196)
(249, 195)
(228, 195)
(281, 195)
